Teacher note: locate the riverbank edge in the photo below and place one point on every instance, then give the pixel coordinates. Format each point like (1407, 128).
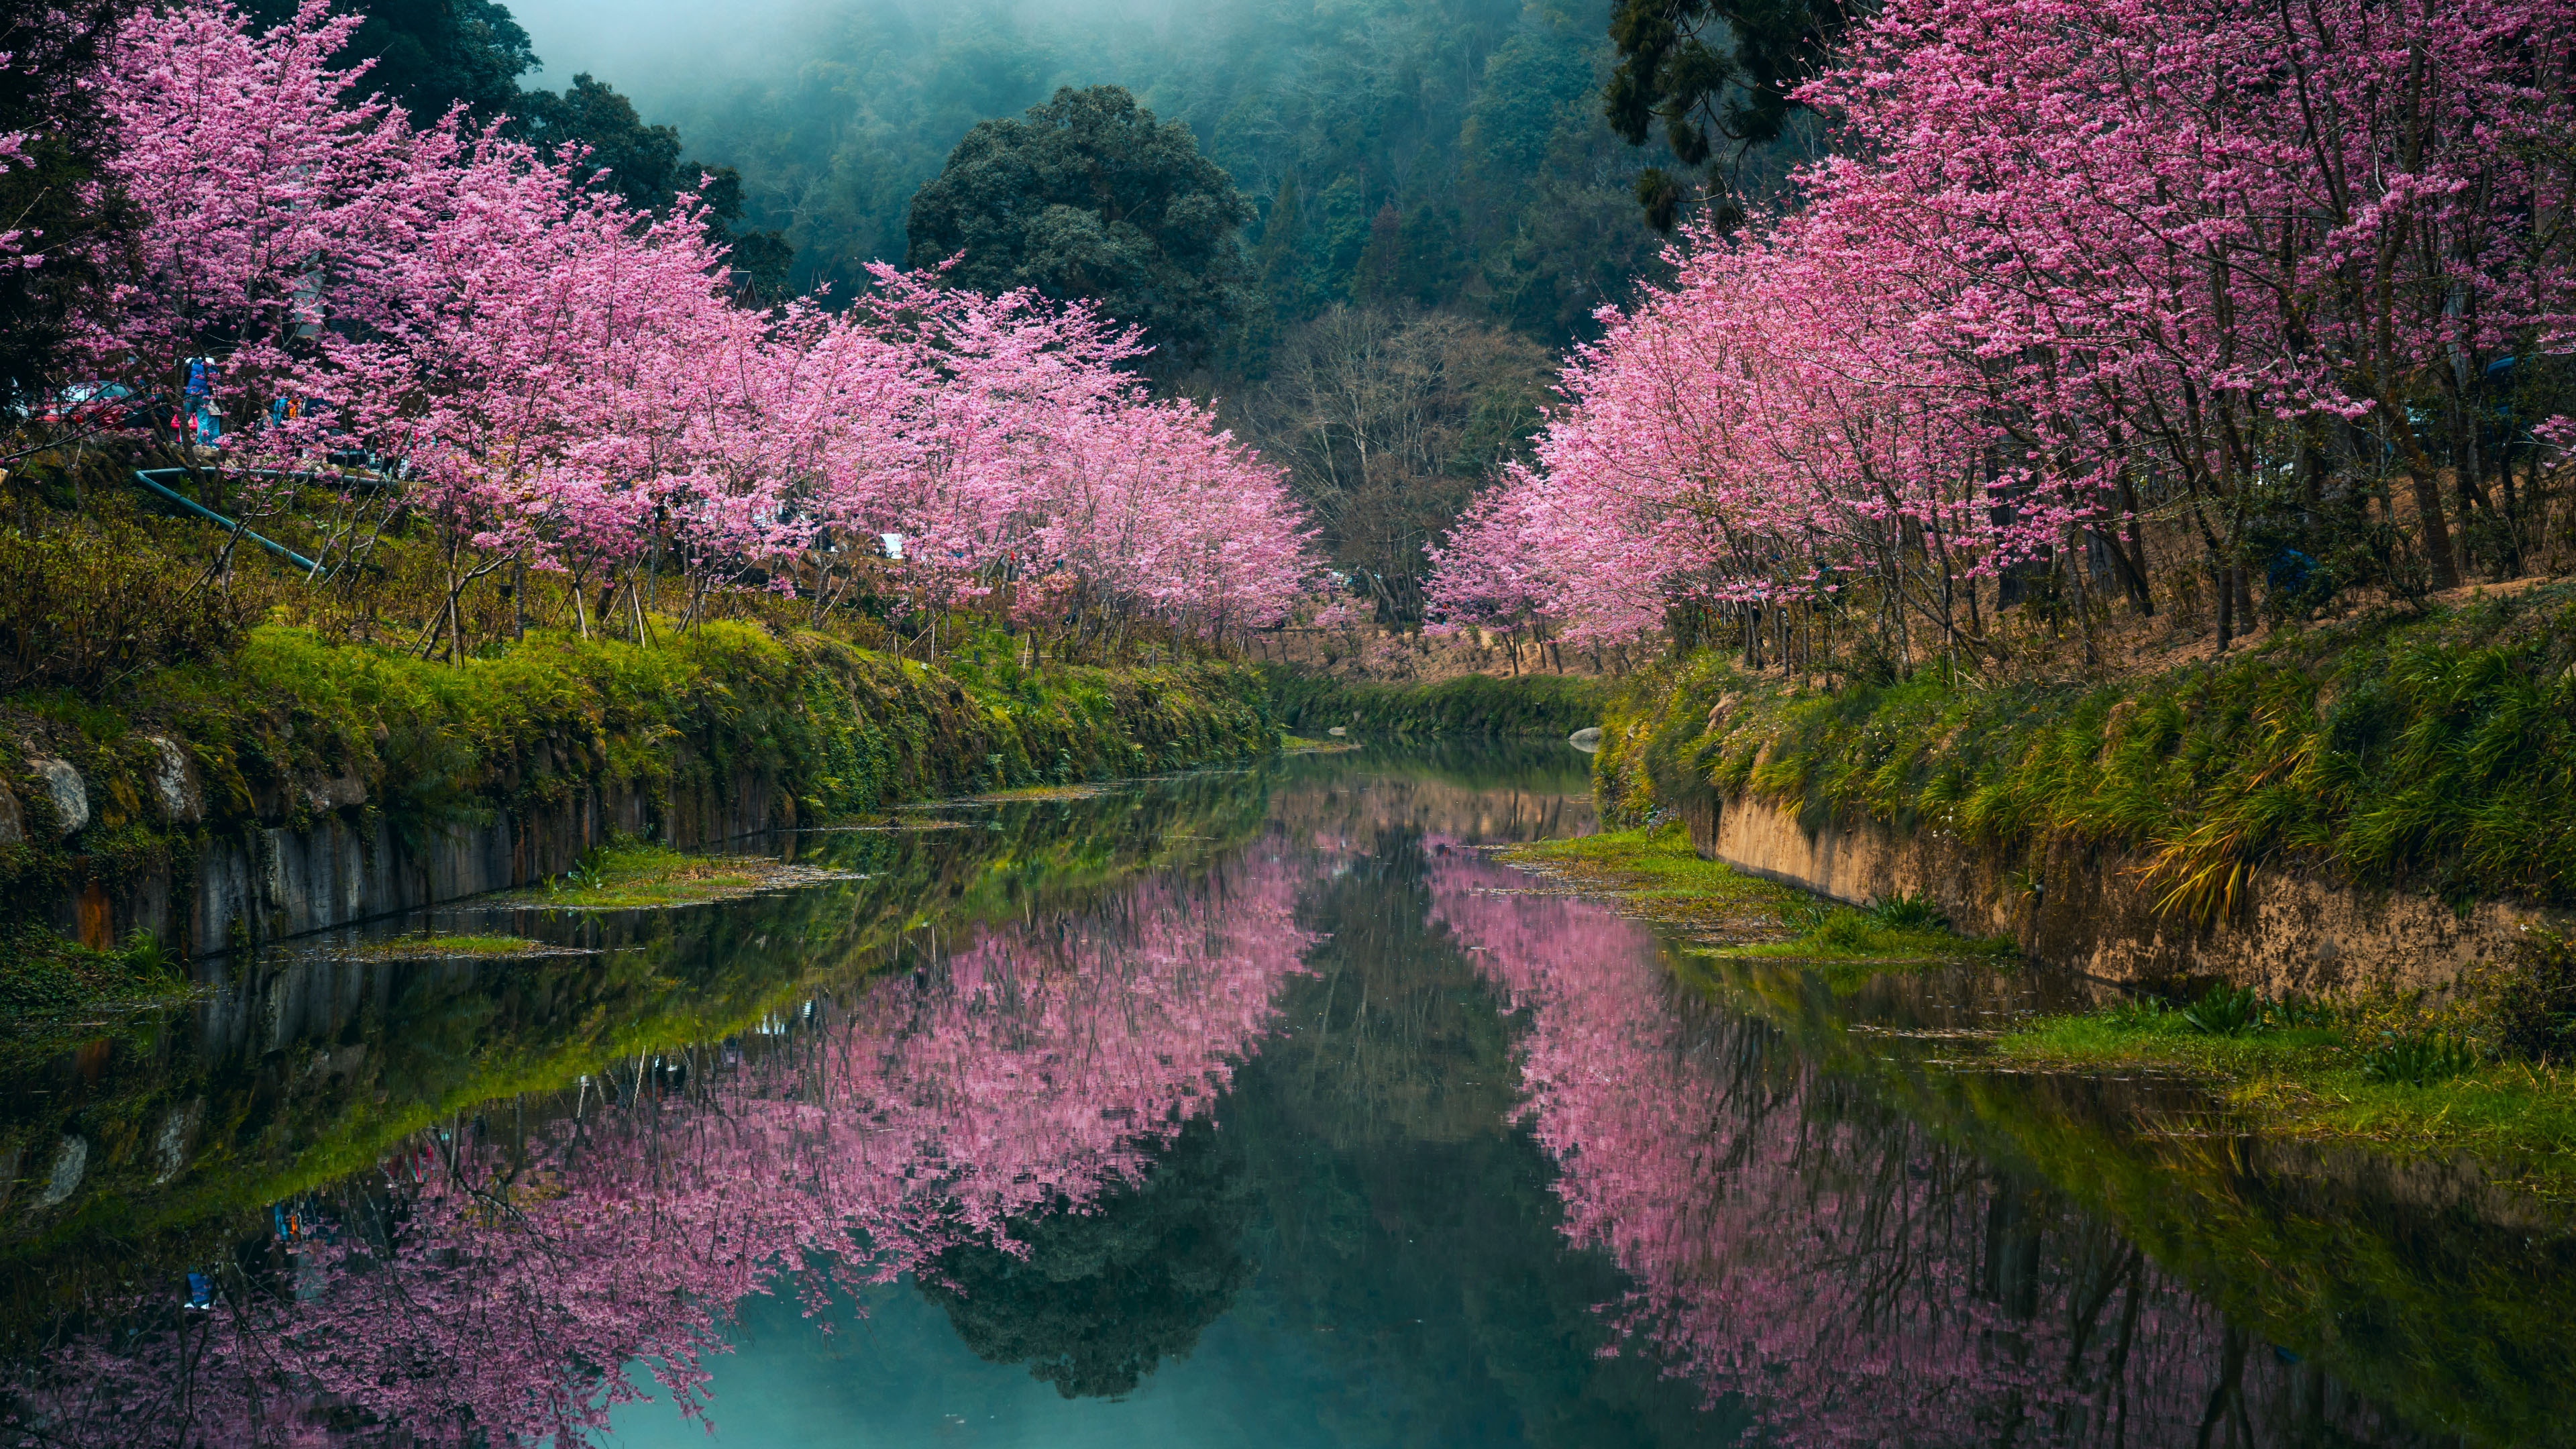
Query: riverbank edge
(1655, 873)
(632, 995)
(2368, 806)
(2359, 969)
(302, 786)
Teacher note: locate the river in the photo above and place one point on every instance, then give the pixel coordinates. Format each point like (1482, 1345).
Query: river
(1256, 1108)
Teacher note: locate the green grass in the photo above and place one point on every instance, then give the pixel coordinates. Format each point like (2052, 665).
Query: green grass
(2316, 1081)
(1657, 874)
(1656, 871)
(839, 731)
(44, 974)
(1040, 792)
(629, 875)
(450, 947)
(1853, 936)
(2435, 753)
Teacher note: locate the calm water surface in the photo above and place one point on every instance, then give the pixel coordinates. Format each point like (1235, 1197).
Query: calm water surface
(1237, 1109)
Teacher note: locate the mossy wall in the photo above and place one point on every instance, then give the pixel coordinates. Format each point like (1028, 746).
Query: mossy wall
(2383, 762)
(298, 783)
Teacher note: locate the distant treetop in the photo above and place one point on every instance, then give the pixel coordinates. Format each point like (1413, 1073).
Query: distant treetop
(1090, 197)
(1715, 78)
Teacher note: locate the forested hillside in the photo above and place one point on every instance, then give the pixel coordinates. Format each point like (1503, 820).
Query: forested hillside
(1449, 153)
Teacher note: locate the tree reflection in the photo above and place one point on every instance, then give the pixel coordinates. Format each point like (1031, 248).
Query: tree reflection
(1095, 1296)
(492, 1278)
(1848, 1274)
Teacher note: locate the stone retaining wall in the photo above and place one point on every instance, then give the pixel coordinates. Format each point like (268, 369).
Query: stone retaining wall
(349, 865)
(2092, 910)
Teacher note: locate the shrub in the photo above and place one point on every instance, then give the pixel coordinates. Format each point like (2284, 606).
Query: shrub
(2536, 1007)
(1905, 912)
(2225, 1011)
(81, 610)
(2417, 1059)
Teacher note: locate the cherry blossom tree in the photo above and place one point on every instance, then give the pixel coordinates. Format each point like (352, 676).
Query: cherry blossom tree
(559, 381)
(2235, 264)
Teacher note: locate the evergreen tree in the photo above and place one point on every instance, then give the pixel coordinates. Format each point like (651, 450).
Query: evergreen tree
(1091, 198)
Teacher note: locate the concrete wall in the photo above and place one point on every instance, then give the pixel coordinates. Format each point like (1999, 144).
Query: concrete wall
(268, 883)
(2093, 911)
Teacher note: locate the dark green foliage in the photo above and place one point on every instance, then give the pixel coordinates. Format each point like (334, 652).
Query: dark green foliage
(430, 55)
(1475, 120)
(2535, 1011)
(2302, 1013)
(433, 55)
(1528, 704)
(2417, 1059)
(1805, 914)
(2225, 1011)
(1712, 78)
(81, 610)
(42, 973)
(1090, 197)
(54, 194)
(2144, 1010)
(642, 162)
(1902, 911)
(1104, 1295)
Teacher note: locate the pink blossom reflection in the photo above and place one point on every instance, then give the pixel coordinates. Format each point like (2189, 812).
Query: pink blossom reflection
(1795, 1243)
(490, 1280)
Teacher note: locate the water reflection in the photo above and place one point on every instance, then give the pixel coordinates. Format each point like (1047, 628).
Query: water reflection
(1847, 1272)
(1246, 1109)
(491, 1279)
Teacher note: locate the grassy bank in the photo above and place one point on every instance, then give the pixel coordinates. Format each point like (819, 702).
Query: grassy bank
(289, 728)
(2484, 1071)
(1474, 704)
(1654, 873)
(2433, 752)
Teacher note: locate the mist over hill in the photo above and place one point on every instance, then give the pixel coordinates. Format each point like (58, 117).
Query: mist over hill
(1437, 153)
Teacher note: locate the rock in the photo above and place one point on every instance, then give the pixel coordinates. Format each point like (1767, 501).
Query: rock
(1337, 731)
(174, 781)
(172, 1150)
(69, 1167)
(71, 797)
(327, 795)
(1586, 739)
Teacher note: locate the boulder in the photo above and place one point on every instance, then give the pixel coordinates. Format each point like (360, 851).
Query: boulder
(71, 796)
(174, 782)
(328, 795)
